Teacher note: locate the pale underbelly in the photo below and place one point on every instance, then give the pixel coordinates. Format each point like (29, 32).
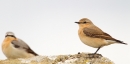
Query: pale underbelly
(11, 52)
(93, 42)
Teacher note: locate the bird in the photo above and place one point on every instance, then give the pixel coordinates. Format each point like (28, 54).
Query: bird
(13, 47)
(93, 36)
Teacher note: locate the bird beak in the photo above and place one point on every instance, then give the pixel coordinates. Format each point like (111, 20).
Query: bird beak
(77, 22)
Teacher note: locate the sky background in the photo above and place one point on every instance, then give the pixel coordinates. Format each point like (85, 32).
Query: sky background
(48, 27)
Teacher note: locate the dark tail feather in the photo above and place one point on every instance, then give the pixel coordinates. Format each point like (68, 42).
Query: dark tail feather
(121, 42)
(29, 50)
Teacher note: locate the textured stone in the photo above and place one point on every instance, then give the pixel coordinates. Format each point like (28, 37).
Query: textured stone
(80, 58)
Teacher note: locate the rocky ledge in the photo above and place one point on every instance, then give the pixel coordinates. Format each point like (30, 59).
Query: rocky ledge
(80, 58)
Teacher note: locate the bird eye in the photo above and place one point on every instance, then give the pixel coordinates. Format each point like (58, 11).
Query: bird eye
(84, 22)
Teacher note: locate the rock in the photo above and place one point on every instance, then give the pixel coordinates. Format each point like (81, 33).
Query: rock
(80, 58)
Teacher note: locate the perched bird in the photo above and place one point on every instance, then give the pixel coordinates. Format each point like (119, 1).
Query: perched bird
(14, 47)
(93, 36)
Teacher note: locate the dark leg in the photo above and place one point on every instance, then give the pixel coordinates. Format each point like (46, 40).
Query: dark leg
(95, 55)
(97, 50)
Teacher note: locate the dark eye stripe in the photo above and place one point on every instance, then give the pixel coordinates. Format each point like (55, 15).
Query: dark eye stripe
(84, 22)
(10, 35)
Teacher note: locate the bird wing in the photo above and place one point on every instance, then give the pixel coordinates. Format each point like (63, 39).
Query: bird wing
(96, 32)
(22, 45)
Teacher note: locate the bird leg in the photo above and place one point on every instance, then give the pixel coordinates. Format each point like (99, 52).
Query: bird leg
(95, 54)
(97, 50)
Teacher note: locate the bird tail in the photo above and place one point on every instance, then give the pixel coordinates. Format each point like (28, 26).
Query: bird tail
(121, 42)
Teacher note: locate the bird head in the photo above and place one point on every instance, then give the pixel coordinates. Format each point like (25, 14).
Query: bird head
(84, 22)
(11, 34)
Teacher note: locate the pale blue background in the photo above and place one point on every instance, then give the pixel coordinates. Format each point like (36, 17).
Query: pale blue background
(48, 27)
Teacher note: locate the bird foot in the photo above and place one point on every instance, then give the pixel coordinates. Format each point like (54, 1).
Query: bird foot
(92, 55)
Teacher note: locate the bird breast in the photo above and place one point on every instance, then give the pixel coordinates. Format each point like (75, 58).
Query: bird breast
(90, 41)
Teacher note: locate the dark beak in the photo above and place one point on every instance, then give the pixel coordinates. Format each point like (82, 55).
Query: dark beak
(77, 22)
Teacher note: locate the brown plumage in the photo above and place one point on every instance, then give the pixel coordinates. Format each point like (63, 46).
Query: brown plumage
(93, 36)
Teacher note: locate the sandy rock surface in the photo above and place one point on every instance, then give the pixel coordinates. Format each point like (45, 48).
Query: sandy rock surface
(80, 58)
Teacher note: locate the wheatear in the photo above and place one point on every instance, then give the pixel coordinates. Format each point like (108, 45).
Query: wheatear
(93, 36)
(14, 47)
